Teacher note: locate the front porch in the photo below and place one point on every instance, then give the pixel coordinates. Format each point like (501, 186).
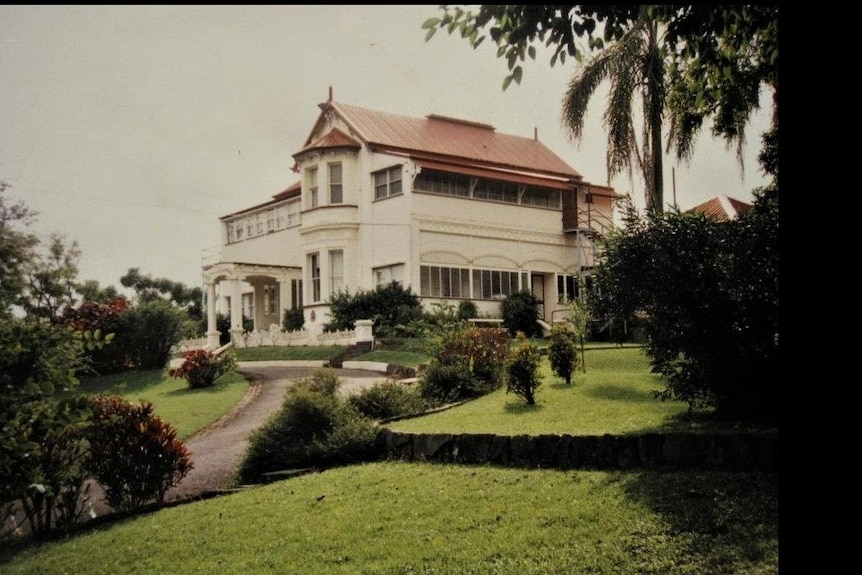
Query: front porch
(242, 291)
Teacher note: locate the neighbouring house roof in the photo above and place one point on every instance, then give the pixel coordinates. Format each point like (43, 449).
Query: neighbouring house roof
(445, 140)
(722, 208)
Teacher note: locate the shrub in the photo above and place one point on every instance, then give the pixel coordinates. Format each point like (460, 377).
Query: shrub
(151, 330)
(106, 318)
(201, 367)
(562, 351)
(134, 455)
(39, 458)
(223, 327)
(312, 429)
(520, 313)
(60, 491)
(467, 310)
(468, 363)
(523, 370)
(708, 295)
(391, 307)
(388, 399)
(447, 378)
(324, 380)
(294, 319)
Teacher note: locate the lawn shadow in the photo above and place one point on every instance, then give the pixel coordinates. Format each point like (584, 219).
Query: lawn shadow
(521, 407)
(216, 387)
(620, 392)
(729, 519)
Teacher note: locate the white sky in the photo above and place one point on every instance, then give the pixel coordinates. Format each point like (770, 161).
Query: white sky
(132, 129)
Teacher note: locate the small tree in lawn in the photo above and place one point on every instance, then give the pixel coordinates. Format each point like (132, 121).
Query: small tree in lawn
(579, 317)
(562, 351)
(522, 369)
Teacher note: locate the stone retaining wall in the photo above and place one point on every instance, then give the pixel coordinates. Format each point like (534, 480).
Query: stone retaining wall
(715, 452)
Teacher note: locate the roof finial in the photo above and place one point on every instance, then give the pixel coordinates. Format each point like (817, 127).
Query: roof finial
(330, 94)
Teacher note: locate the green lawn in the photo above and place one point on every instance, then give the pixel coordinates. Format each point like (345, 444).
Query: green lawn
(613, 396)
(288, 352)
(405, 358)
(188, 410)
(400, 518)
(413, 518)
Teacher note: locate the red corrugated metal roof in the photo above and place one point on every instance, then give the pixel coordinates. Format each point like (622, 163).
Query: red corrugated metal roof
(740, 206)
(448, 139)
(722, 208)
(335, 138)
(506, 176)
(289, 192)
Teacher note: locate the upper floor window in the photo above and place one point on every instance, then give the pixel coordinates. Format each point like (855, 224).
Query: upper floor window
(496, 191)
(293, 214)
(387, 183)
(336, 189)
(541, 197)
(311, 186)
(270, 220)
(443, 183)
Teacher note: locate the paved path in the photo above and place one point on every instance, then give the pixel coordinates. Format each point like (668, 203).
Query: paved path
(218, 450)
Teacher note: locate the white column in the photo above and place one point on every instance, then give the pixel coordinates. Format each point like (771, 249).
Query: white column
(236, 309)
(213, 335)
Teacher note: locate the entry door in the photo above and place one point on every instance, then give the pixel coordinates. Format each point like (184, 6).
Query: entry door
(538, 288)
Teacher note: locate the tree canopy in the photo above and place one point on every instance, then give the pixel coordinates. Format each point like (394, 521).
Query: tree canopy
(718, 56)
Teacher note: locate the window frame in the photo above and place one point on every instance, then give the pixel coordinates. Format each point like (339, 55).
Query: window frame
(390, 182)
(336, 276)
(336, 185)
(314, 276)
(312, 175)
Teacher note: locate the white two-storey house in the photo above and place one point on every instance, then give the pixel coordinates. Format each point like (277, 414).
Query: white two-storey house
(450, 208)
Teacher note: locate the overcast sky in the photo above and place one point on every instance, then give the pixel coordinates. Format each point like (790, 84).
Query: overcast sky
(131, 130)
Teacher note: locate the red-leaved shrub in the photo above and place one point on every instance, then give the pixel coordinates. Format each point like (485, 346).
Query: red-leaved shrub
(201, 367)
(135, 456)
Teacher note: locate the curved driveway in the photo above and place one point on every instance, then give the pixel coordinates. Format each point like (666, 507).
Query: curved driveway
(218, 450)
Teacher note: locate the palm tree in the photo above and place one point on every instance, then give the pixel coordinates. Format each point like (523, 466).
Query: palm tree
(634, 65)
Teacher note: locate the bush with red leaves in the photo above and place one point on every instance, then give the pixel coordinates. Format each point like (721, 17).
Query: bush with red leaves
(134, 455)
(201, 367)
